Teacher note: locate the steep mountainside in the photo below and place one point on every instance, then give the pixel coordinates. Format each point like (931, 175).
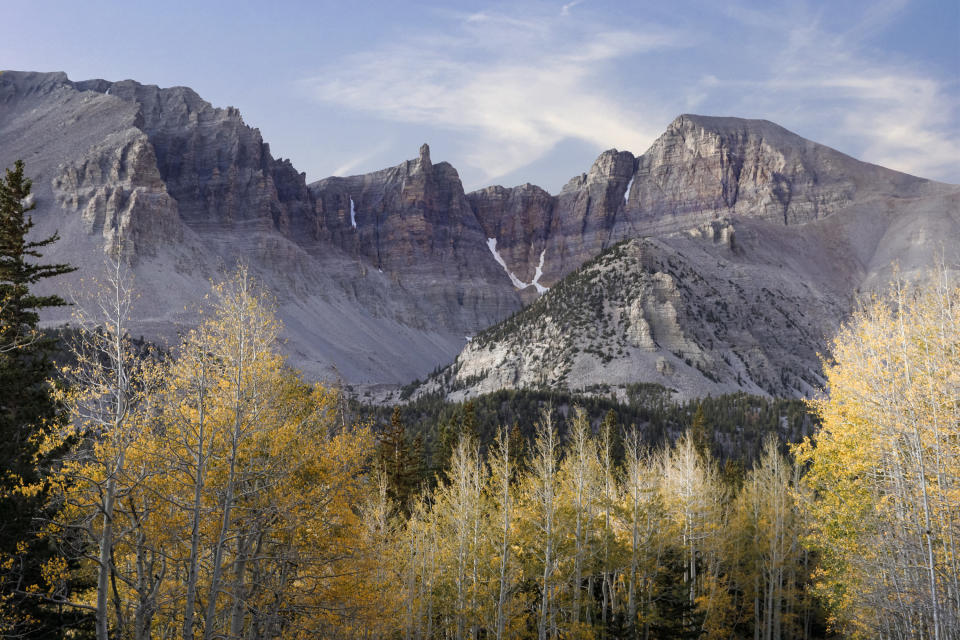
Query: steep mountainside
(380, 277)
(413, 222)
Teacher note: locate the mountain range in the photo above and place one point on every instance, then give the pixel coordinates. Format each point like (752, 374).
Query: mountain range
(720, 259)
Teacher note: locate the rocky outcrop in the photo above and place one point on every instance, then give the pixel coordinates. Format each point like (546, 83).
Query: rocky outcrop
(120, 195)
(398, 217)
(685, 313)
(520, 220)
(700, 170)
(217, 168)
(707, 166)
(414, 223)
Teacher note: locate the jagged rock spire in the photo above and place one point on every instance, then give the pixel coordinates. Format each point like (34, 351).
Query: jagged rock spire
(425, 155)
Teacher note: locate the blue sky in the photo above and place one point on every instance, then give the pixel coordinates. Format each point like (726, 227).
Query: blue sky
(525, 91)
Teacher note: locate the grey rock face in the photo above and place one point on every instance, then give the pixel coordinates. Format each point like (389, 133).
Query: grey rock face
(753, 168)
(414, 223)
(185, 191)
(120, 195)
(520, 220)
(700, 170)
(217, 168)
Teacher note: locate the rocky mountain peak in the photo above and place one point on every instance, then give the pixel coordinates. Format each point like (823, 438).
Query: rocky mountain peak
(752, 168)
(612, 164)
(425, 163)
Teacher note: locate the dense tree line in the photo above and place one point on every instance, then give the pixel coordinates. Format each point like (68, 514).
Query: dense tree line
(738, 423)
(557, 540)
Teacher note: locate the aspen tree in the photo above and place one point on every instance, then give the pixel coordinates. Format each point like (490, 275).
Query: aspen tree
(501, 477)
(691, 489)
(579, 472)
(885, 469)
(542, 483)
(459, 508)
(608, 499)
(108, 389)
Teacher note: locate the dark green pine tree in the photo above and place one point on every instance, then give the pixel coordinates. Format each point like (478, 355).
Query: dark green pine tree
(400, 460)
(700, 434)
(673, 617)
(27, 410)
(462, 423)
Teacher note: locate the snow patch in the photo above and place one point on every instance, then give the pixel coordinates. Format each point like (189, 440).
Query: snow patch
(107, 92)
(353, 214)
(492, 244)
(626, 194)
(517, 282)
(536, 277)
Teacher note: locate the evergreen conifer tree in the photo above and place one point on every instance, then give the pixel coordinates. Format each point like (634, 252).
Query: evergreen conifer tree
(400, 461)
(26, 407)
(702, 440)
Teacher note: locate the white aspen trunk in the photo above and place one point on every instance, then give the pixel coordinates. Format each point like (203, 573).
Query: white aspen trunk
(221, 543)
(578, 545)
(240, 569)
(226, 522)
(474, 550)
(104, 557)
(921, 475)
(547, 463)
(756, 606)
(195, 515)
(505, 545)
(411, 581)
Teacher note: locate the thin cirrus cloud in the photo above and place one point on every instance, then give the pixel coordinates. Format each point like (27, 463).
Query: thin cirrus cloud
(511, 87)
(844, 89)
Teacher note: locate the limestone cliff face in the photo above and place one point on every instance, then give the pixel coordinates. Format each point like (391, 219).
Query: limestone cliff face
(120, 195)
(397, 217)
(414, 223)
(520, 220)
(216, 167)
(754, 168)
(700, 170)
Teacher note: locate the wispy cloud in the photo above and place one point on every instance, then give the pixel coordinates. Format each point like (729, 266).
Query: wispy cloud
(837, 84)
(509, 85)
(356, 161)
(565, 9)
(512, 85)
